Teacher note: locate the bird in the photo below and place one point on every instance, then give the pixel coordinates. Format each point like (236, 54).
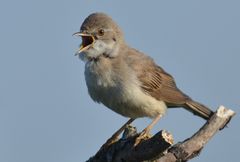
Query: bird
(126, 80)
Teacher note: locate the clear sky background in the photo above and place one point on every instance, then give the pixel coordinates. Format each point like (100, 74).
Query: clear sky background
(46, 114)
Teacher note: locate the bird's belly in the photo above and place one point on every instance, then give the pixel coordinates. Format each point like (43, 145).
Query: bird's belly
(126, 99)
(131, 103)
(136, 103)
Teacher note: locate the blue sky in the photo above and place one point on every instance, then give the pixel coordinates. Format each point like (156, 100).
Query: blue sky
(46, 114)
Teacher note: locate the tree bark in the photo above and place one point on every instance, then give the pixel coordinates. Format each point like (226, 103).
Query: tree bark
(160, 148)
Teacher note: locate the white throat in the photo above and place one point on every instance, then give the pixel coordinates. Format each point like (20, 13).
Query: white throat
(99, 48)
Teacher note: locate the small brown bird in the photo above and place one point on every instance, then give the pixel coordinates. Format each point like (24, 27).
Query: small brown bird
(126, 80)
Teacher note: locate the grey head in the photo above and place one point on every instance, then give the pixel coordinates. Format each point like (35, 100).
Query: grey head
(100, 36)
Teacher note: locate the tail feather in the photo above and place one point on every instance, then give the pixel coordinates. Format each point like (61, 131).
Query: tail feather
(198, 109)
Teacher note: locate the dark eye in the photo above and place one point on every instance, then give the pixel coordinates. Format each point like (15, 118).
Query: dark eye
(101, 32)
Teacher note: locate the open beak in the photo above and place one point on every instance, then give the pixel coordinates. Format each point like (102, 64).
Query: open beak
(87, 41)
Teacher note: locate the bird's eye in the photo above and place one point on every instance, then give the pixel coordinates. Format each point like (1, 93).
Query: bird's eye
(101, 32)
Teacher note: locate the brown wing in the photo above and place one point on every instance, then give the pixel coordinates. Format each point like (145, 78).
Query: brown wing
(162, 86)
(156, 82)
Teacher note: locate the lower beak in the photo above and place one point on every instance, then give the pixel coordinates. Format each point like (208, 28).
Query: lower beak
(87, 41)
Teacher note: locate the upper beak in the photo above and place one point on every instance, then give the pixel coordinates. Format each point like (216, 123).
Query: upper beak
(77, 34)
(87, 41)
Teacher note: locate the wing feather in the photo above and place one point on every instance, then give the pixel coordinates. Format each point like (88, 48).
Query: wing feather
(155, 81)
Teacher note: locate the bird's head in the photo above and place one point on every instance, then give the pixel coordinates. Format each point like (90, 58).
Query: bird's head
(100, 36)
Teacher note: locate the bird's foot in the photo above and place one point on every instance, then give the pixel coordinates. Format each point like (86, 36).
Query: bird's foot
(144, 135)
(115, 136)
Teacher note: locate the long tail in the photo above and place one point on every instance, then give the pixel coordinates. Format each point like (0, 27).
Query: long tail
(198, 109)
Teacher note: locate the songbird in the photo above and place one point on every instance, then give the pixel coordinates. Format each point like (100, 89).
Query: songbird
(126, 80)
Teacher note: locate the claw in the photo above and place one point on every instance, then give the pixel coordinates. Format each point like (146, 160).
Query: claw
(115, 136)
(144, 135)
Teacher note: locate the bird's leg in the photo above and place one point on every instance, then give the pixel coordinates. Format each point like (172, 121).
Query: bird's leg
(117, 133)
(144, 134)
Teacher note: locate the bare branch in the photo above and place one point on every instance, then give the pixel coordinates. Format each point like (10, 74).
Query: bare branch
(191, 147)
(158, 148)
